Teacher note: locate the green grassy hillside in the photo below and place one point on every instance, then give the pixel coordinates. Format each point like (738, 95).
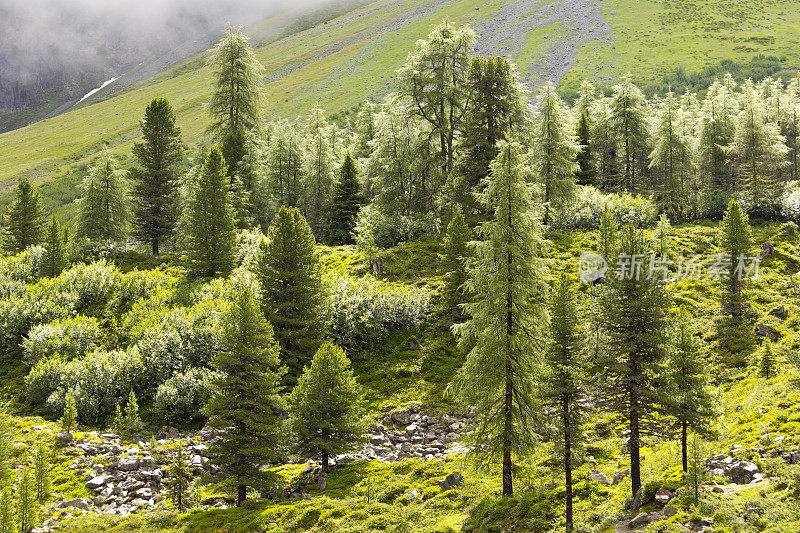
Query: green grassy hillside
(340, 63)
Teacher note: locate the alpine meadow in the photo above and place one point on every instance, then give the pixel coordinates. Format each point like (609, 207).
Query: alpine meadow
(435, 266)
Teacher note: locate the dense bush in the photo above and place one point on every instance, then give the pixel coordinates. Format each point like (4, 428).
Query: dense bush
(66, 338)
(375, 228)
(362, 311)
(98, 381)
(38, 305)
(93, 283)
(585, 210)
(138, 284)
(790, 207)
(248, 248)
(23, 267)
(180, 398)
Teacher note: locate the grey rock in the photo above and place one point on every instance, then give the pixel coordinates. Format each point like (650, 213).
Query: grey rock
(452, 480)
(128, 463)
(400, 417)
(669, 510)
(412, 494)
(65, 437)
(639, 520)
(598, 477)
(78, 503)
(98, 481)
(619, 475)
(743, 472)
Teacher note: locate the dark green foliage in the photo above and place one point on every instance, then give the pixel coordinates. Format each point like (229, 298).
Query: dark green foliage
(155, 185)
(585, 172)
(633, 316)
(233, 150)
(54, 259)
(25, 219)
(178, 481)
(247, 403)
(347, 201)
(453, 260)
(768, 364)
(104, 206)
(687, 397)
(210, 228)
(565, 382)
(41, 472)
(291, 288)
(327, 406)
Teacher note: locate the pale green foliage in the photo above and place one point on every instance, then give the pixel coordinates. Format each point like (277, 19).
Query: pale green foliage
(383, 228)
(587, 208)
(42, 476)
(326, 406)
(54, 259)
(179, 478)
(319, 172)
(67, 338)
(630, 131)
(661, 236)
(27, 506)
(362, 312)
(507, 316)
(7, 519)
(103, 206)
(608, 236)
(236, 96)
(555, 149)
(70, 416)
(132, 422)
(672, 158)
(285, 167)
(181, 398)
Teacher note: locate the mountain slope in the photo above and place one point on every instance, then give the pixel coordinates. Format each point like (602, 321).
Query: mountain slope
(340, 63)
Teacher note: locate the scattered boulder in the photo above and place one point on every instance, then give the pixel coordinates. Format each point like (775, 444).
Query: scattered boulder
(619, 475)
(742, 472)
(78, 503)
(412, 494)
(767, 249)
(452, 480)
(669, 510)
(598, 477)
(65, 437)
(98, 481)
(767, 331)
(639, 520)
(779, 311)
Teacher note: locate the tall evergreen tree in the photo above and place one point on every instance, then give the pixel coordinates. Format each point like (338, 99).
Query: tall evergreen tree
(672, 159)
(689, 402)
(210, 228)
(54, 259)
(291, 288)
(456, 252)
(603, 141)
(347, 201)
(434, 79)
(608, 236)
(555, 150)
(634, 306)
(327, 406)
(736, 240)
(319, 173)
(251, 175)
(179, 478)
(629, 118)
(565, 382)
(155, 185)
(716, 135)
(507, 316)
(42, 476)
(285, 167)
(247, 404)
(767, 367)
(104, 204)
(25, 219)
(586, 96)
(7, 521)
(27, 508)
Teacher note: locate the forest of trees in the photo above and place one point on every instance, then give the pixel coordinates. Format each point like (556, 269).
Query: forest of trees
(458, 149)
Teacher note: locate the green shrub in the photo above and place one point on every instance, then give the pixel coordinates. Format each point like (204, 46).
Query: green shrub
(386, 230)
(67, 338)
(180, 398)
(585, 211)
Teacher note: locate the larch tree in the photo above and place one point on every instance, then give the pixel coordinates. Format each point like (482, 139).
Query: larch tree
(768, 364)
(456, 251)
(690, 402)
(42, 476)
(583, 105)
(319, 172)
(285, 167)
(759, 151)
(716, 133)
(7, 518)
(25, 219)
(179, 478)
(347, 201)
(210, 228)
(291, 289)
(634, 308)
(555, 150)
(251, 175)
(564, 382)
(507, 316)
(602, 139)
(434, 80)
(54, 259)
(736, 240)
(247, 404)
(326, 407)
(155, 176)
(671, 159)
(629, 119)
(103, 207)
(27, 506)
(236, 95)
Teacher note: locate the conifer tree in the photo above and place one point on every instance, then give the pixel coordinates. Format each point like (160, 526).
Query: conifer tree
(291, 288)
(564, 382)
(27, 508)
(236, 92)
(103, 207)
(768, 365)
(251, 175)
(319, 173)
(347, 201)
(210, 228)
(179, 477)
(456, 252)
(629, 119)
(736, 241)
(119, 421)
(507, 316)
(672, 159)
(326, 406)
(7, 521)
(603, 141)
(41, 472)
(54, 259)
(689, 399)
(661, 239)
(608, 236)
(364, 131)
(434, 80)
(585, 174)
(285, 167)
(554, 150)
(633, 306)
(716, 135)
(247, 403)
(70, 415)
(759, 152)
(132, 422)
(155, 185)
(25, 219)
